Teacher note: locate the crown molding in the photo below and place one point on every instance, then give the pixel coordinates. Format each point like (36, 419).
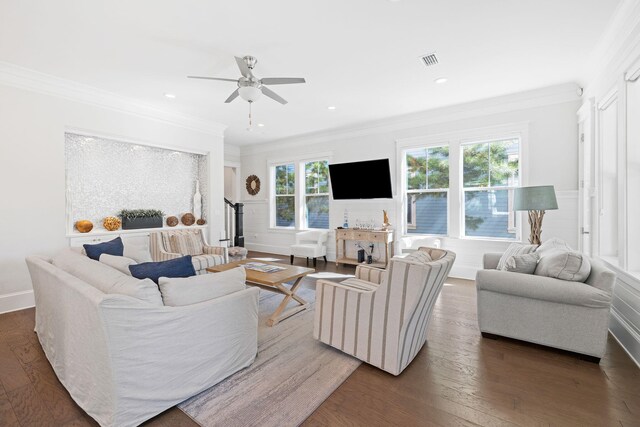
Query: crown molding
(551, 95)
(35, 81)
(619, 40)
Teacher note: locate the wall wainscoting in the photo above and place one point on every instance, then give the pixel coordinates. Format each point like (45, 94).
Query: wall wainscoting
(16, 301)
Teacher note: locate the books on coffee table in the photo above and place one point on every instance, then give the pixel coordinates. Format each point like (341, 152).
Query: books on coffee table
(262, 267)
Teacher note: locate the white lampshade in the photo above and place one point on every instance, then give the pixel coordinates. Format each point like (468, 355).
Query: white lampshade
(250, 93)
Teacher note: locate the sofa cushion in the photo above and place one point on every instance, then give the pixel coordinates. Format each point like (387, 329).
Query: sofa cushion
(564, 265)
(105, 278)
(137, 248)
(514, 249)
(112, 247)
(524, 263)
(542, 288)
(192, 290)
(120, 263)
(178, 267)
(186, 244)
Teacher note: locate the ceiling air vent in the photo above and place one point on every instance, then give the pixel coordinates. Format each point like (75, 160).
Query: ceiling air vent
(430, 59)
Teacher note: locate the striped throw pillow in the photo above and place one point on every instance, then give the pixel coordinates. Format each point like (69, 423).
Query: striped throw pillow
(515, 249)
(186, 244)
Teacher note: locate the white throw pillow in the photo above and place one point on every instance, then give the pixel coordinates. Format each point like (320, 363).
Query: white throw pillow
(137, 248)
(120, 263)
(564, 265)
(514, 249)
(552, 245)
(195, 289)
(525, 263)
(105, 278)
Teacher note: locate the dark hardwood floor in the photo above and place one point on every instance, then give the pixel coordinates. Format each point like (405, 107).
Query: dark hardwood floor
(458, 379)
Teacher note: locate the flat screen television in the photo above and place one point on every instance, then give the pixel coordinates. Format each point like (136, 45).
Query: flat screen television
(370, 179)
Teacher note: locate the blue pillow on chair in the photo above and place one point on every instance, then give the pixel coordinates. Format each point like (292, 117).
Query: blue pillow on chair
(178, 267)
(112, 247)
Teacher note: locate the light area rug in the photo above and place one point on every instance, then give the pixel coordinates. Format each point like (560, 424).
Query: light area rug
(268, 259)
(291, 376)
(329, 275)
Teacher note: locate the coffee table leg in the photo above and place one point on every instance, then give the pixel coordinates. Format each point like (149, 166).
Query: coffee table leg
(290, 294)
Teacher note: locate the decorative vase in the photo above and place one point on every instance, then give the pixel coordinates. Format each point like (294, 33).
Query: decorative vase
(197, 201)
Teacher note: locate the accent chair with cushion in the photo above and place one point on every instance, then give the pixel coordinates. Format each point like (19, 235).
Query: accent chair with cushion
(166, 245)
(381, 316)
(565, 304)
(310, 244)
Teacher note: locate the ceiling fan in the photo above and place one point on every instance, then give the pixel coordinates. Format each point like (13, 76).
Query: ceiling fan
(250, 88)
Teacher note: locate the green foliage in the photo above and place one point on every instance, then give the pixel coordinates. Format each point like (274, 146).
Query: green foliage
(493, 164)
(140, 213)
(316, 177)
(428, 168)
(285, 179)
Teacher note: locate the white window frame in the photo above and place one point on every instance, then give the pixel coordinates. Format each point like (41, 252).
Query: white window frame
(455, 139)
(303, 199)
(511, 220)
(273, 196)
(410, 194)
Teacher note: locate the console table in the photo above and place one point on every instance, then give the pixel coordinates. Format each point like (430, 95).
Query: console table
(384, 237)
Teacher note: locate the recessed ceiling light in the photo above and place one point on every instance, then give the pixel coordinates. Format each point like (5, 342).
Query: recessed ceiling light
(169, 95)
(261, 125)
(441, 80)
(331, 107)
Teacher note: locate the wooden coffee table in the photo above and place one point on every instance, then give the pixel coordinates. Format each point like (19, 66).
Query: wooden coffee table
(274, 282)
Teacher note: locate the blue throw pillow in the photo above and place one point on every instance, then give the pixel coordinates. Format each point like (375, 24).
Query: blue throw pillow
(178, 267)
(112, 247)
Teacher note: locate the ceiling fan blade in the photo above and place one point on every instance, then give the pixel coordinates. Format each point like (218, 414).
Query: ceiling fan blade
(271, 94)
(233, 96)
(212, 78)
(244, 69)
(282, 80)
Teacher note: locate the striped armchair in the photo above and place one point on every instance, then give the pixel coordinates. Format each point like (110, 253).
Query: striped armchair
(161, 250)
(380, 316)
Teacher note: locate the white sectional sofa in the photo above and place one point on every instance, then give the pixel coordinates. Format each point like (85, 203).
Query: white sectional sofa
(124, 359)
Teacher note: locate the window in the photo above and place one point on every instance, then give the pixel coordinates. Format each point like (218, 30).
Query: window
(316, 194)
(427, 175)
(285, 195)
(490, 170)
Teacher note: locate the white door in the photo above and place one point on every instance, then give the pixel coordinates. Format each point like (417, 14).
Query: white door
(586, 170)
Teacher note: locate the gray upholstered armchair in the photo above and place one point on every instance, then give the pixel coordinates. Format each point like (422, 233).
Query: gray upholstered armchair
(571, 316)
(381, 316)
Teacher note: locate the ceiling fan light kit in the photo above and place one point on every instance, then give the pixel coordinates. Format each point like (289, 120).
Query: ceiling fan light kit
(250, 88)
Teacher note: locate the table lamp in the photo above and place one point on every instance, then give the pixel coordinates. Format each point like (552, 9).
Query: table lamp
(536, 200)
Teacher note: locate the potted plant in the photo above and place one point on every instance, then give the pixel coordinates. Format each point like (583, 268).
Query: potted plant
(141, 218)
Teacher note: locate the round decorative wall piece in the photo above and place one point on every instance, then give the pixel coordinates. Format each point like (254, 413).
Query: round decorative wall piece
(84, 226)
(111, 223)
(253, 185)
(201, 222)
(188, 219)
(172, 221)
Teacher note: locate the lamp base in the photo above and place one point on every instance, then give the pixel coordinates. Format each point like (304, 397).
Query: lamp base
(535, 222)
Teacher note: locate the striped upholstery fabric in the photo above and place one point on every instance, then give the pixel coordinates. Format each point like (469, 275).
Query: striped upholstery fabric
(160, 246)
(370, 274)
(186, 244)
(515, 249)
(384, 325)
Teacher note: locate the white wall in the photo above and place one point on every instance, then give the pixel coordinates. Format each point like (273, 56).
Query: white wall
(549, 114)
(618, 55)
(32, 173)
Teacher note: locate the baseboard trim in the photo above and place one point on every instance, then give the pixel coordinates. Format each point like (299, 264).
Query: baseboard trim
(16, 301)
(628, 339)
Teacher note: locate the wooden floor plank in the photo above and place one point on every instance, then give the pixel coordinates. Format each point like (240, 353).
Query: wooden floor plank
(458, 379)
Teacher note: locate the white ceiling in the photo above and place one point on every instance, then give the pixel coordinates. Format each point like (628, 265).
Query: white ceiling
(360, 55)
